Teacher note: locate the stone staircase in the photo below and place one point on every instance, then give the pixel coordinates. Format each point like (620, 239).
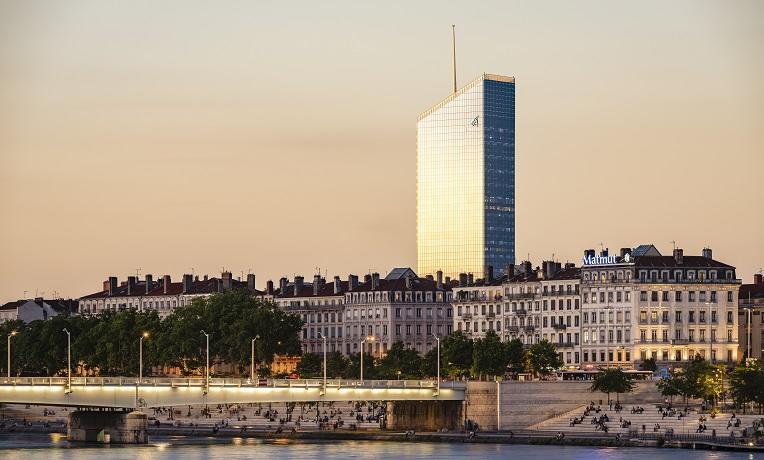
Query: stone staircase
(686, 425)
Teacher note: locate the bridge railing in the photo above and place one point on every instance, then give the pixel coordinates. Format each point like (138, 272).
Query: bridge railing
(233, 382)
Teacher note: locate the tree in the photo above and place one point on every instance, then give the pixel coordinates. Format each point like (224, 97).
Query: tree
(747, 385)
(703, 380)
(336, 364)
(456, 355)
(612, 381)
(311, 366)
(517, 358)
(353, 369)
(403, 359)
(489, 356)
(649, 365)
(671, 386)
(544, 359)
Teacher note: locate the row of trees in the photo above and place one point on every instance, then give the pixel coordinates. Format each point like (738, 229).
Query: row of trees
(107, 344)
(459, 357)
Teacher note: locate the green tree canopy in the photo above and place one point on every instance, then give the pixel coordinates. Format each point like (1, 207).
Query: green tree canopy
(456, 355)
(612, 381)
(489, 356)
(403, 359)
(543, 358)
(517, 358)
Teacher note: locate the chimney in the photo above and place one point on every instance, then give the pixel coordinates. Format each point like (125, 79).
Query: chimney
(448, 281)
(550, 269)
(367, 279)
(112, 285)
(337, 285)
(470, 279)
(316, 284)
(569, 265)
(604, 252)
(299, 282)
(678, 256)
(510, 271)
(251, 282)
(625, 251)
(757, 279)
(589, 253)
(462, 279)
(439, 277)
(707, 253)
(269, 287)
(187, 280)
(166, 283)
(374, 281)
(131, 282)
(527, 267)
(408, 282)
(430, 277)
(489, 274)
(352, 282)
(206, 277)
(149, 283)
(282, 286)
(227, 280)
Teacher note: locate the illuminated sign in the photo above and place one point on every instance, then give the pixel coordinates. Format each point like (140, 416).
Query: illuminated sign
(606, 260)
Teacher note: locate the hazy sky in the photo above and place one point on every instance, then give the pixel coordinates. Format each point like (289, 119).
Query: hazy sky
(281, 136)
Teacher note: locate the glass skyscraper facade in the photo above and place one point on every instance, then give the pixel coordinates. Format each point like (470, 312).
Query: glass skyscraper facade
(466, 180)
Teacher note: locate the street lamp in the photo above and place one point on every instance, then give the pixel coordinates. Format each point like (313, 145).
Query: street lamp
(323, 338)
(9, 352)
(68, 360)
(369, 338)
(710, 338)
(252, 366)
(437, 339)
(145, 335)
(748, 333)
(207, 367)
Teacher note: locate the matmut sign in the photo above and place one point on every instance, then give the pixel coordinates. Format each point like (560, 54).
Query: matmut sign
(606, 260)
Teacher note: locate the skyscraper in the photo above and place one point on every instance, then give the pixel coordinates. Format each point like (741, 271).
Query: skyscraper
(466, 180)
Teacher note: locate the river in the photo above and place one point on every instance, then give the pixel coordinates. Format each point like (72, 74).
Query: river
(55, 447)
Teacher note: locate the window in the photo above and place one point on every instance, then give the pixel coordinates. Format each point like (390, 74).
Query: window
(729, 296)
(678, 296)
(654, 296)
(643, 296)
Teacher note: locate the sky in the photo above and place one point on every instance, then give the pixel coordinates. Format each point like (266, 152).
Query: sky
(279, 138)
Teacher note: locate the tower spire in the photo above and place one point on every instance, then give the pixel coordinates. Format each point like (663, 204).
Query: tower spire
(453, 51)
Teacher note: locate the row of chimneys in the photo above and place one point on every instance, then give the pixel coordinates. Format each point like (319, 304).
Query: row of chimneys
(678, 253)
(224, 284)
(548, 269)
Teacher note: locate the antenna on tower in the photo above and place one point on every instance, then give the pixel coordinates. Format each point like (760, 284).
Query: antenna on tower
(453, 51)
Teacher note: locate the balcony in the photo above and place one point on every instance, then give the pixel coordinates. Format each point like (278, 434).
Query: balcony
(559, 327)
(680, 342)
(520, 312)
(513, 329)
(521, 296)
(491, 315)
(529, 328)
(467, 316)
(565, 345)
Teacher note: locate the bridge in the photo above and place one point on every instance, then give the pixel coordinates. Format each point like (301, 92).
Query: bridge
(135, 393)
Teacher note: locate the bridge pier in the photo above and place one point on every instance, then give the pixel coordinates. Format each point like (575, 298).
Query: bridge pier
(424, 415)
(116, 427)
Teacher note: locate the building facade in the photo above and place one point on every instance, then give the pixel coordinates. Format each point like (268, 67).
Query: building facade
(751, 318)
(640, 305)
(29, 310)
(162, 295)
(402, 307)
(466, 180)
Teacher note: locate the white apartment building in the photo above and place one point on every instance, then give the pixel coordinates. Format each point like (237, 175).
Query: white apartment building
(401, 307)
(640, 305)
(162, 296)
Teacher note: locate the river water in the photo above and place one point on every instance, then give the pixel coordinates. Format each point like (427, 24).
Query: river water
(55, 447)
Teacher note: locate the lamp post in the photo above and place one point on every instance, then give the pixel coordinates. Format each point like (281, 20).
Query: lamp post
(323, 338)
(748, 333)
(252, 365)
(369, 338)
(68, 360)
(9, 353)
(145, 335)
(207, 367)
(437, 339)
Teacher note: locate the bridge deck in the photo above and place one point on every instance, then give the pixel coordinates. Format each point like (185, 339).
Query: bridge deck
(128, 392)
